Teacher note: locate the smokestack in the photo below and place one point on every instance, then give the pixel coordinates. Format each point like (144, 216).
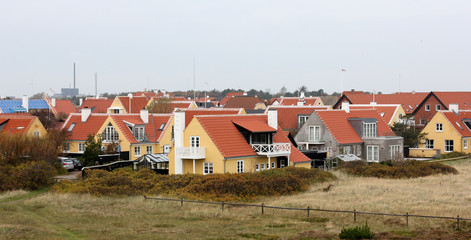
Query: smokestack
(96, 85)
(74, 74)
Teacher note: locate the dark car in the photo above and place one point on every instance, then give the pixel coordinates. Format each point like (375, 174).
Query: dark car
(77, 164)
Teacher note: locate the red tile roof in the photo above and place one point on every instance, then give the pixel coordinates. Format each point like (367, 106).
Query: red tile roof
(181, 104)
(254, 125)
(293, 101)
(463, 99)
(10, 122)
(190, 113)
(83, 129)
(151, 129)
(336, 121)
(98, 105)
(65, 106)
(137, 103)
(388, 111)
(245, 102)
(296, 155)
(408, 100)
(229, 96)
(288, 116)
(456, 121)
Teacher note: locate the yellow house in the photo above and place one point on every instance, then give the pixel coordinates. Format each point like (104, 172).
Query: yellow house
(449, 131)
(231, 144)
(129, 104)
(21, 123)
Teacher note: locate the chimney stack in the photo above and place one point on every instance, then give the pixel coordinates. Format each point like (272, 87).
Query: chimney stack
(25, 103)
(80, 101)
(86, 112)
(145, 115)
(178, 130)
(273, 118)
(454, 107)
(53, 102)
(346, 107)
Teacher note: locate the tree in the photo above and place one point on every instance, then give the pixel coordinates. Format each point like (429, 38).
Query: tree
(161, 105)
(282, 91)
(92, 150)
(412, 136)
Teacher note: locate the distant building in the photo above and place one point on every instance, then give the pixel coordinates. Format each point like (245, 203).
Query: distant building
(69, 92)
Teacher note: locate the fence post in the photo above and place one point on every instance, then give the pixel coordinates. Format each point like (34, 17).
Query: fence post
(458, 222)
(308, 209)
(354, 215)
(222, 204)
(263, 211)
(181, 202)
(407, 219)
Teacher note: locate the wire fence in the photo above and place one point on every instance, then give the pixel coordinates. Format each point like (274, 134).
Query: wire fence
(308, 210)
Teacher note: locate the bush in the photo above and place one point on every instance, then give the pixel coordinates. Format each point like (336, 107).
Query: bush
(453, 155)
(362, 232)
(28, 176)
(396, 169)
(220, 187)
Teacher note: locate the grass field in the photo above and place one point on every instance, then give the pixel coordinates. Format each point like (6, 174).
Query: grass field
(43, 215)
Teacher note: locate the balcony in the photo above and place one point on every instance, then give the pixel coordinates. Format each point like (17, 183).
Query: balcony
(191, 152)
(272, 150)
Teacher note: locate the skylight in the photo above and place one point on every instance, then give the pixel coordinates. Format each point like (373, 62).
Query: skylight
(458, 125)
(162, 126)
(382, 114)
(71, 127)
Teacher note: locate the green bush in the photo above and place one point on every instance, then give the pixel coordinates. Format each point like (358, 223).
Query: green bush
(396, 169)
(220, 187)
(362, 232)
(453, 155)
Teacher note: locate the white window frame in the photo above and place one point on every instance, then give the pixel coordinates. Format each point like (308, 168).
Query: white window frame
(394, 151)
(151, 148)
(427, 107)
(438, 107)
(448, 146)
(194, 141)
(66, 147)
(372, 153)
(358, 150)
(208, 168)
(81, 147)
(439, 127)
(110, 134)
(302, 120)
(465, 143)
(262, 166)
(257, 167)
(240, 166)
(36, 134)
(137, 151)
(273, 165)
(314, 133)
(166, 148)
(139, 133)
(370, 129)
(282, 163)
(429, 143)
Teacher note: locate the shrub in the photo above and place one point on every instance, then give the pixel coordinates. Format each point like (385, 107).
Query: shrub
(396, 169)
(453, 155)
(362, 232)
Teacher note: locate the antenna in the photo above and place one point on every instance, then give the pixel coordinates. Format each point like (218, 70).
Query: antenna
(194, 78)
(96, 85)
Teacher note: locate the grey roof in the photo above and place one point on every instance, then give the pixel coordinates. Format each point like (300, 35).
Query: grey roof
(348, 157)
(156, 158)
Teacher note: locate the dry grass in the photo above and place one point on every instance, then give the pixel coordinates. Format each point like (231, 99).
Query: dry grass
(69, 216)
(11, 194)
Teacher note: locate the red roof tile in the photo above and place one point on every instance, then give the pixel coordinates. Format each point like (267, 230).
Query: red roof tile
(10, 122)
(387, 111)
(98, 105)
(190, 113)
(337, 123)
(463, 99)
(81, 130)
(408, 100)
(65, 106)
(456, 121)
(245, 102)
(137, 103)
(296, 155)
(229, 96)
(293, 101)
(288, 116)
(254, 125)
(151, 129)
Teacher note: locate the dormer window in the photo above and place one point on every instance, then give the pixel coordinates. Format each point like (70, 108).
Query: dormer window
(370, 129)
(139, 133)
(110, 134)
(438, 107)
(302, 120)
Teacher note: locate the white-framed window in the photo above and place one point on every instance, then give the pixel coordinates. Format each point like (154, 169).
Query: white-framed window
(370, 130)
(358, 150)
(137, 151)
(103, 148)
(429, 143)
(66, 147)
(449, 145)
(262, 166)
(208, 168)
(36, 134)
(314, 133)
(139, 133)
(257, 167)
(149, 149)
(166, 148)
(110, 134)
(273, 165)
(439, 127)
(81, 147)
(394, 151)
(438, 107)
(194, 141)
(329, 150)
(427, 107)
(302, 120)
(240, 166)
(347, 149)
(465, 144)
(282, 163)
(372, 153)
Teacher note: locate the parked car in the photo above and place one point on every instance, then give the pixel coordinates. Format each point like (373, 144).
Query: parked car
(67, 163)
(77, 164)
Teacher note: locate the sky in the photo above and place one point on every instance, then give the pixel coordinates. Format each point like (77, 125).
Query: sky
(387, 46)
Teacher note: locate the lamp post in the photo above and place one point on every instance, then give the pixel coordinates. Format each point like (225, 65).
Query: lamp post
(9, 133)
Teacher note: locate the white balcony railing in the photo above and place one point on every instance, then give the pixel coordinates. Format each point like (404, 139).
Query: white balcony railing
(191, 152)
(275, 149)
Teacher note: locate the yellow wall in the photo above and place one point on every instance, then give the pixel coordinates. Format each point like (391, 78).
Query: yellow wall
(319, 102)
(422, 152)
(36, 126)
(448, 133)
(260, 106)
(396, 118)
(304, 165)
(117, 104)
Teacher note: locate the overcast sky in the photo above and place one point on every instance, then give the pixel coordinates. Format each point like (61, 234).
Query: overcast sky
(385, 46)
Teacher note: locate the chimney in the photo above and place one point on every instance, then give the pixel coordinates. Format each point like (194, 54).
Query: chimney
(86, 112)
(302, 95)
(25, 102)
(80, 101)
(454, 107)
(245, 94)
(273, 118)
(300, 103)
(145, 115)
(178, 129)
(372, 103)
(346, 106)
(53, 102)
(130, 95)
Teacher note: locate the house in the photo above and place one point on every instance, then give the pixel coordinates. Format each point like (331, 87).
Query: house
(391, 113)
(363, 133)
(129, 104)
(231, 144)
(292, 118)
(449, 131)
(229, 96)
(439, 101)
(21, 124)
(245, 102)
(297, 101)
(97, 105)
(23, 105)
(61, 107)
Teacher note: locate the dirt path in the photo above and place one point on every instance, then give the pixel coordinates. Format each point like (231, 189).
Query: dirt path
(73, 175)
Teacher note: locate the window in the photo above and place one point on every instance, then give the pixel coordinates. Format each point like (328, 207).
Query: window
(208, 168)
(166, 148)
(465, 144)
(194, 141)
(369, 130)
(438, 107)
(257, 167)
(149, 149)
(302, 120)
(314, 133)
(240, 166)
(328, 150)
(66, 147)
(347, 150)
(161, 126)
(467, 123)
(273, 165)
(81, 147)
(71, 127)
(139, 133)
(372, 153)
(427, 107)
(36, 134)
(439, 127)
(262, 166)
(358, 151)
(110, 134)
(429, 143)
(449, 146)
(282, 163)
(394, 151)
(137, 151)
